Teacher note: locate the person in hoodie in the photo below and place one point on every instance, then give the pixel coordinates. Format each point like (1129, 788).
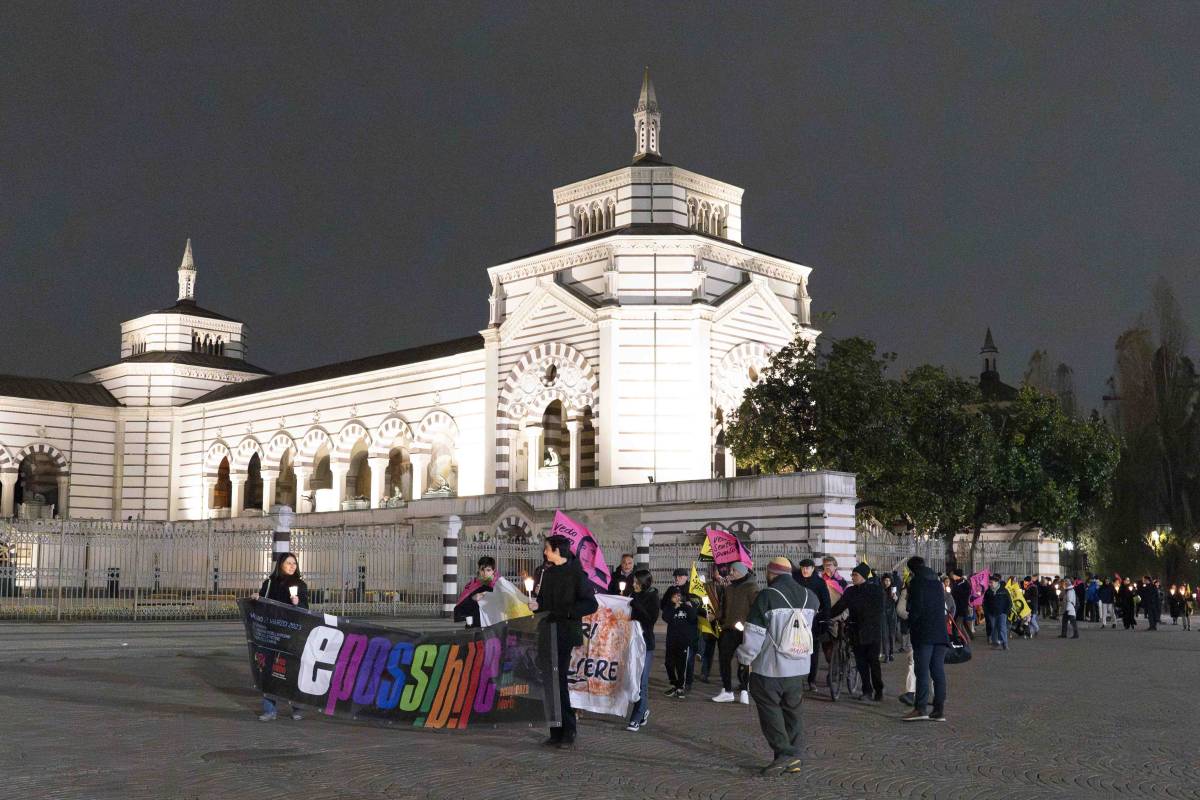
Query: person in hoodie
(564, 595)
(777, 673)
(1091, 598)
(736, 600)
(806, 575)
(996, 604)
(644, 609)
(679, 612)
(864, 600)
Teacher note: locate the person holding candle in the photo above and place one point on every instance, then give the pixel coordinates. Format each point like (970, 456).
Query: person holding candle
(736, 600)
(467, 608)
(563, 595)
(622, 577)
(283, 585)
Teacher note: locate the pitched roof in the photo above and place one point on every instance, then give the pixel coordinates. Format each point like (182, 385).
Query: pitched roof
(190, 308)
(396, 358)
(995, 390)
(89, 394)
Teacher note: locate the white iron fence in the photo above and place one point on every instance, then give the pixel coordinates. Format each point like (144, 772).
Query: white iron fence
(87, 569)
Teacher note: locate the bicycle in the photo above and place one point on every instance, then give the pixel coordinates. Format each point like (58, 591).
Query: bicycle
(842, 670)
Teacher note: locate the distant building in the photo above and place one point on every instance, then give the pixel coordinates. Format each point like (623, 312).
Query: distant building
(991, 387)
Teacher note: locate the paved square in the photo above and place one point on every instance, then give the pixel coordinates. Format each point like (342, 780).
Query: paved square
(166, 712)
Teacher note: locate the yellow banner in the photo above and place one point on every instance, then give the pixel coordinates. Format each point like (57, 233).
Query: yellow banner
(1020, 609)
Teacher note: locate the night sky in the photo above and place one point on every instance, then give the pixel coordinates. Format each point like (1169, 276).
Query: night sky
(347, 177)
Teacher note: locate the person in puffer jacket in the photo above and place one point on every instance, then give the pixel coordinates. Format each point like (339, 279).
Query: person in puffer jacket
(777, 677)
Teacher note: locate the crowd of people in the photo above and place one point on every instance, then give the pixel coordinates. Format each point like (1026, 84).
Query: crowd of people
(770, 641)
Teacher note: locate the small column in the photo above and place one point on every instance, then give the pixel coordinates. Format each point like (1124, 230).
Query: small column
(301, 474)
(269, 477)
(573, 431)
(642, 537)
(378, 473)
(8, 485)
(420, 467)
(206, 491)
(236, 482)
(450, 565)
(338, 471)
(64, 484)
(283, 529)
(533, 448)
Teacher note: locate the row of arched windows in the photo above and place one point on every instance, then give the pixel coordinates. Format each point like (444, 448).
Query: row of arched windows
(596, 217)
(707, 217)
(213, 346)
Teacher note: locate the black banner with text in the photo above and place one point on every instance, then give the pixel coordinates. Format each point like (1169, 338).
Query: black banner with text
(439, 681)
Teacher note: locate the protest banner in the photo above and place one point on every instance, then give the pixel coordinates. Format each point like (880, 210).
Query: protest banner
(426, 680)
(606, 669)
(979, 582)
(585, 547)
(1020, 609)
(726, 548)
(505, 601)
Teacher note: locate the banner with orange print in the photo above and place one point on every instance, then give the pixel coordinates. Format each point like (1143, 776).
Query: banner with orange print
(606, 670)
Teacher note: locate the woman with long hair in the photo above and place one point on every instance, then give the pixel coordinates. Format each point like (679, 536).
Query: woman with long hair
(283, 585)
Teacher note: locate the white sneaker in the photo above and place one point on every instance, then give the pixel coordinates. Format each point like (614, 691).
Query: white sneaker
(724, 697)
(744, 697)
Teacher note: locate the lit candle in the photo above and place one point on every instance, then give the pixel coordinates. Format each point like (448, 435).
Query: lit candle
(529, 586)
(739, 626)
(294, 591)
(621, 587)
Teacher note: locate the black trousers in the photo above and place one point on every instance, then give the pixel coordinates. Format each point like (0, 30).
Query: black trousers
(565, 732)
(1069, 619)
(727, 645)
(866, 658)
(678, 658)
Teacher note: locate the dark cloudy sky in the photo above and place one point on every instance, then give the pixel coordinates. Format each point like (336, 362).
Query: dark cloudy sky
(347, 177)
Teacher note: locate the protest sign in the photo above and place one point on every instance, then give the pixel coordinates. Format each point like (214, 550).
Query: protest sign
(425, 680)
(585, 547)
(606, 669)
(726, 548)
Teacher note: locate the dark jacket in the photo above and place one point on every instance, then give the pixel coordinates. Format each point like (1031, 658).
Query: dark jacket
(815, 584)
(565, 596)
(926, 608)
(614, 585)
(961, 592)
(1031, 598)
(681, 622)
(865, 603)
(277, 589)
(736, 601)
(643, 608)
(470, 608)
(997, 601)
(1105, 593)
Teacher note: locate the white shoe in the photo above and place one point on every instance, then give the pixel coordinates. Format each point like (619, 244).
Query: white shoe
(724, 697)
(744, 697)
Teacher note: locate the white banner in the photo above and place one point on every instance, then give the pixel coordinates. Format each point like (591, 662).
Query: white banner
(504, 601)
(606, 669)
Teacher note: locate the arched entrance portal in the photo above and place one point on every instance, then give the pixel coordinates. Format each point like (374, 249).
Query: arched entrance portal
(223, 488)
(254, 485)
(36, 493)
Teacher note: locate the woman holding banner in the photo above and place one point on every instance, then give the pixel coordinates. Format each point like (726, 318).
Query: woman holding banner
(283, 585)
(563, 596)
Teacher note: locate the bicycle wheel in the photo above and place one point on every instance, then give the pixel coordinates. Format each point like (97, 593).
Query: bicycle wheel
(837, 670)
(852, 676)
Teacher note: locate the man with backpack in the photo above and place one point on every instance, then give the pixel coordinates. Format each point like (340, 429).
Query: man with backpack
(777, 646)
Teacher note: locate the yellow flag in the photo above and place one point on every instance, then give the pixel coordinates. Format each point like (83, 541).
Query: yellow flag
(705, 551)
(1020, 609)
(699, 588)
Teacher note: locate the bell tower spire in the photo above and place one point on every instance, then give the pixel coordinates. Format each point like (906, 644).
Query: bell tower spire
(187, 274)
(647, 122)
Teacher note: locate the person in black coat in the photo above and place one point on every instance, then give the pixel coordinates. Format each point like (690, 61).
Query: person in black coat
(1152, 602)
(563, 596)
(681, 617)
(997, 602)
(622, 577)
(283, 585)
(864, 600)
(644, 609)
(467, 609)
(1127, 605)
(927, 628)
(806, 575)
(960, 590)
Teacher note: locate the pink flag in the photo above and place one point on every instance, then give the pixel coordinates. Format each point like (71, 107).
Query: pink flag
(585, 547)
(726, 548)
(473, 586)
(979, 582)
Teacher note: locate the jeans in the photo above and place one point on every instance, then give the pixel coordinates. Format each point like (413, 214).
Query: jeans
(1034, 628)
(728, 645)
(270, 707)
(998, 624)
(928, 663)
(1070, 619)
(643, 704)
(778, 701)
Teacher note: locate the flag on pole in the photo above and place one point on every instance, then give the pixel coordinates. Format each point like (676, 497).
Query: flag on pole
(726, 548)
(585, 547)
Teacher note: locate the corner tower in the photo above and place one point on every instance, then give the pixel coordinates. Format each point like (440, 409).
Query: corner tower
(647, 122)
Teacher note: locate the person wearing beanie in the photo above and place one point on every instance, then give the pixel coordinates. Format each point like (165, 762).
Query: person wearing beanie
(806, 575)
(778, 669)
(864, 600)
(736, 599)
